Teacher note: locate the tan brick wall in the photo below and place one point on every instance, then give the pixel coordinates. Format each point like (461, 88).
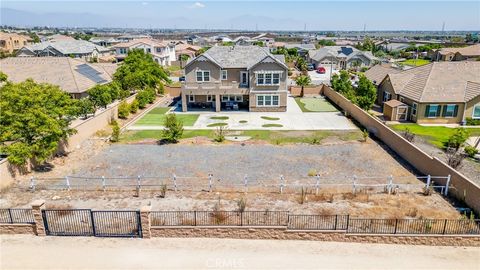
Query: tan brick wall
(173, 91)
(463, 188)
(307, 91)
(337, 236)
(17, 229)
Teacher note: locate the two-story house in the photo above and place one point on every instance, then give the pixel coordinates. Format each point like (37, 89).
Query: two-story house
(236, 77)
(10, 42)
(161, 52)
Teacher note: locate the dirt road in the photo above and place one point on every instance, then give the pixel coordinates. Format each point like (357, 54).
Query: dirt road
(29, 252)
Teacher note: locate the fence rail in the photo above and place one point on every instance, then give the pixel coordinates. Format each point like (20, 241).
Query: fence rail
(16, 215)
(314, 184)
(318, 222)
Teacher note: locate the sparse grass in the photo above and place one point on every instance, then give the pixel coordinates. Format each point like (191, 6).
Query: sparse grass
(315, 105)
(217, 125)
(415, 62)
(270, 118)
(243, 121)
(157, 116)
(219, 117)
(271, 125)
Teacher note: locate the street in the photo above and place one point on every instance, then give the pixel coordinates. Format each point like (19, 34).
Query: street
(30, 252)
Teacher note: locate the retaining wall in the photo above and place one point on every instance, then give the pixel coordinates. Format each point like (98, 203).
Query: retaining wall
(307, 91)
(462, 189)
(17, 229)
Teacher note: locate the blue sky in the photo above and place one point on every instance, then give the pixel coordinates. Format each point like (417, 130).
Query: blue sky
(273, 15)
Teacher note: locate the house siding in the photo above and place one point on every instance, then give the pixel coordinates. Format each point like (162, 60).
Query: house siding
(470, 105)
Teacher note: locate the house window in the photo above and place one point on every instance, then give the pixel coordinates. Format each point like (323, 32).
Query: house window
(268, 100)
(414, 109)
(210, 98)
(386, 96)
(191, 98)
(450, 110)
(224, 75)
(432, 111)
(476, 112)
(401, 99)
(159, 50)
(149, 50)
(203, 76)
(227, 98)
(239, 98)
(268, 78)
(123, 50)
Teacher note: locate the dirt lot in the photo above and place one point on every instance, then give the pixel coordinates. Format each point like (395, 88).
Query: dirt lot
(334, 161)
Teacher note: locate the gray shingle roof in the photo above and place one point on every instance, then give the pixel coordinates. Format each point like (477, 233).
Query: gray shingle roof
(338, 51)
(239, 56)
(377, 73)
(67, 47)
(304, 46)
(72, 75)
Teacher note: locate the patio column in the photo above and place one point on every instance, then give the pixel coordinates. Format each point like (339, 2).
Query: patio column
(184, 102)
(218, 104)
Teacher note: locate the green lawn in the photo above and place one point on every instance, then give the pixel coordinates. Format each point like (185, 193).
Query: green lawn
(415, 62)
(156, 117)
(435, 135)
(271, 136)
(219, 117)
(315, 105)
(271, 125)
(270, 118)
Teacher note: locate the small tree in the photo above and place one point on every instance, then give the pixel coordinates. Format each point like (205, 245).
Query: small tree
(134, 106)
(303, 80)
(457, 139)
(115, 132)
(173, 128)
(366, 93)
(85, 107)
(220, 134)
(123, 110)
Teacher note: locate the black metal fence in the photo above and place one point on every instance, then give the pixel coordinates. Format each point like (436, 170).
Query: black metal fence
(16, 215)
(85, 222)
(317, 222)
(219, 218)
(414, 226)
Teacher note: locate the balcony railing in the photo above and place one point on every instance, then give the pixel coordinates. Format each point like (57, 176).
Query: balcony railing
(213, 85)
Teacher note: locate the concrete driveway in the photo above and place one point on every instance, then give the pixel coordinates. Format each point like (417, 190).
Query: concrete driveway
(318, 78)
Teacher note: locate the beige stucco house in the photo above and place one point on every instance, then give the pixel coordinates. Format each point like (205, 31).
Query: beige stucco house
(236, 77)
(10, 42)
(437, 93)
(162, 53)
(471, 53)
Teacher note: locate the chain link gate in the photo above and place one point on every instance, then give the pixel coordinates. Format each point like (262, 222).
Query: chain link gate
(85, 222)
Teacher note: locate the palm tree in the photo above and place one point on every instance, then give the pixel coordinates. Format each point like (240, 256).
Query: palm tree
(303, 80)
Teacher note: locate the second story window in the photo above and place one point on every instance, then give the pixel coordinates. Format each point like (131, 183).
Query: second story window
(159, 50)
(203, 76)
(224, 75)
(123, 51)
(268, 78)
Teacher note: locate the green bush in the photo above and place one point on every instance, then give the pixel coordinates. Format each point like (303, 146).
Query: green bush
(142, 98)
(134, 106)
(472, 122)
(471, 151)
(457, 139)
(173, 128)
(123, 110)
(115, 132)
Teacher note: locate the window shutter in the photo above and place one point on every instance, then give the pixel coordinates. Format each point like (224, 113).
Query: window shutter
(444, 110)
(455, 112)
(439, 110)
(427, 108)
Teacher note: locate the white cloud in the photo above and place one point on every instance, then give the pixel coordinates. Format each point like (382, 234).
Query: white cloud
(197, 5)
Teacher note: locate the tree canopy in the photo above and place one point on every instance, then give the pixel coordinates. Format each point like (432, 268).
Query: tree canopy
(34, 118)
(364, 95)
(139, 71)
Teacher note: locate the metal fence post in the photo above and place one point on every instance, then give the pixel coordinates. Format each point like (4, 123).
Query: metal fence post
(245, 181)
(195, 217)
(354, 184)
(396, 223)
(444, 226)
(32, 183)
(104, 183)
(317, 184)
(429, 179)
(336, 219)
(175, 182)
(210, 182)
(67, 182)
(447, 185)
(282, 180)
(348, 222)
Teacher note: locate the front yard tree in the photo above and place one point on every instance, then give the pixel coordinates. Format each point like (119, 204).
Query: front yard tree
(303, 80)
(173, 128)
(85, 107)
(139, 71)
(34, 118)
(100, 95)
(341, 83)
(366, 93)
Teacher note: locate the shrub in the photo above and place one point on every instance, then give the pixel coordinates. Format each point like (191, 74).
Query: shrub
(470, 151)
(303, 195)
(161, 89)
(242, 204)
(457, 139)
(134, 106)
(472, 122)
(163, 191)
(123, 110)
(173, 128)
(115, 132)
(365, 135)
(454, 157)
(220, 133)
(408, 135)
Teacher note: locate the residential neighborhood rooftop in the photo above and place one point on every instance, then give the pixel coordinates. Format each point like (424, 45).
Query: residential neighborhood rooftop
(378, 72)
(339, 51)
(472, 50)
(68, 46)
(439, 82)
(72, 75)
(148, 41)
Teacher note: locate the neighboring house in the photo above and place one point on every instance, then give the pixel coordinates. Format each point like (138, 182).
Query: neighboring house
(236, 77)
(163, 53)
(104, 41)
(10, 42)
(437, 93)
(455, 54)
(56, 37)
(302, 48)
(243, 40)
(377, 73)
(128, 38)
(74, 76)
(186, 49)
(65, 48)
(341, 57)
